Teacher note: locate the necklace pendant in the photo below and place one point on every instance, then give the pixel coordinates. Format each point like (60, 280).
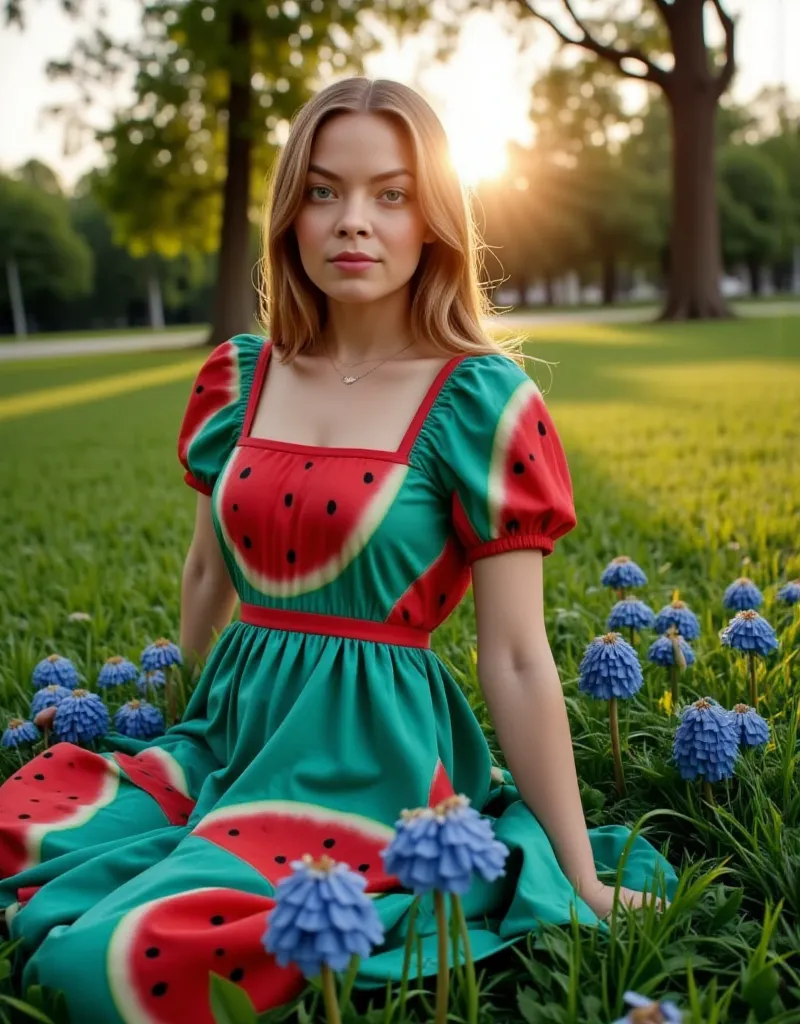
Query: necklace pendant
(349, 380)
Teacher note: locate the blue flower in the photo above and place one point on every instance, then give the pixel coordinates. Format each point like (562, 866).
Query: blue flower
(741, 595)
(55, 669)
(439, 848)
(117, 670)
(681, 616)
(161, 654)
(81, 716)
(751, 729)
(790, 592)
(621, 572)
(610, 668)
(155, 678)
(321, 917)
(632, 613)
(668, 1012)
(19, 731)
(48, 697)
(706, 741)
(140, 719)
(749, 632)
(662, 651)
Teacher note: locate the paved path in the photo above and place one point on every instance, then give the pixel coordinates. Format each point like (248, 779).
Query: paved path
(14, 350)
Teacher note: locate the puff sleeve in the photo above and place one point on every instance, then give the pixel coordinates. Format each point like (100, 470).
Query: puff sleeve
(505, 464)
(215, 411)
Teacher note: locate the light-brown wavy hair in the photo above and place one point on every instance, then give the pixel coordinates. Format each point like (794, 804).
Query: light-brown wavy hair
(447, 300)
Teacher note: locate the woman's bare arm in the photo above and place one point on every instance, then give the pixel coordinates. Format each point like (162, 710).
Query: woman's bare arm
(523, 693)
(208, 596)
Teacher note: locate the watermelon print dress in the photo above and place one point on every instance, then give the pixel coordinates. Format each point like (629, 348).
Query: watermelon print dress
(130, 873)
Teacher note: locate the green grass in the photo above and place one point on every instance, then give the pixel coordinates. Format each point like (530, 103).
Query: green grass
(682, 443)
(104, 332)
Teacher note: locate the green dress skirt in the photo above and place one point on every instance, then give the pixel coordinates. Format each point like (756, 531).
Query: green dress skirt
(131, 872)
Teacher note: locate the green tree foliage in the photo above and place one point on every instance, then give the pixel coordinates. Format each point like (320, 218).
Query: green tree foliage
(755, 207)
(36, 233)
(216, 85)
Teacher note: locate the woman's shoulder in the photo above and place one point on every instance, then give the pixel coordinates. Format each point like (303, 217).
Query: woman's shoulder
(487, 381)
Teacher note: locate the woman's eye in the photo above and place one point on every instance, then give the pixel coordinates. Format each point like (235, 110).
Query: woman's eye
(396, 191)
(314, 188)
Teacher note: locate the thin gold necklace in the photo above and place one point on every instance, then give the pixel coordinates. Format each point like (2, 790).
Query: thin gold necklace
(349, 379)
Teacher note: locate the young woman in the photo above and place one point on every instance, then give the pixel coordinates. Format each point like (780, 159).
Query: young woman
(354, 473)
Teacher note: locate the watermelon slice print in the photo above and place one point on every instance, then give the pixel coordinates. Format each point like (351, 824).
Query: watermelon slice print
(525, 481)
(434, 594)
(270, 834)
(216, 386)
(161, 954)
(158, 773)
(327, 511)
(61, 788)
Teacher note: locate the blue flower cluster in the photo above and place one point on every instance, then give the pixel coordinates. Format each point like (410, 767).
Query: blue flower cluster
(140, 719)
(681, 616)
(610, 668)
(751, 729)
(662, 651)
(741, 595)
(664, 1012)
(440, 848)
(55, 670)
(161, 654)
(706, 743)
(749, 632)
(630, 613)
(81, 717)
(621, 573)
(321, 917)
(18, 732)
(116, 671)
(789, 593)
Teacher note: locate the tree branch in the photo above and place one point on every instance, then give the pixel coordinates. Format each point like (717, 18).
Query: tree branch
(729, 25)
(653, 72)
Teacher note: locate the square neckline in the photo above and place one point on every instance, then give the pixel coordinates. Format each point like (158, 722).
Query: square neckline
(400, 454)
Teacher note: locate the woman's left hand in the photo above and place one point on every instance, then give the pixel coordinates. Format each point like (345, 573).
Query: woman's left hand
(600, 898)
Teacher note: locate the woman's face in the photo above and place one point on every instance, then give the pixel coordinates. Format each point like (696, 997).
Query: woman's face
(363, 203)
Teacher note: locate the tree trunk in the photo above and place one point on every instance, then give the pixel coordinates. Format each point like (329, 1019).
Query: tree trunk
(233, 304)
(695, 264)
(754, 273)
(609, 280)
(15, 296)
(155, 302)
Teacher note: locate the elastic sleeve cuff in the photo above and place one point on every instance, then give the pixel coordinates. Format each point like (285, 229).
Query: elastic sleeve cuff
(517, 542)
(198, 485)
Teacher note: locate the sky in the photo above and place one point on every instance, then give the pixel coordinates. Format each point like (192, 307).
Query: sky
(480, 112)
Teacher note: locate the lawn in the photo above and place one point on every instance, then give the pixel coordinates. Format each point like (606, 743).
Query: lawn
(682, 443)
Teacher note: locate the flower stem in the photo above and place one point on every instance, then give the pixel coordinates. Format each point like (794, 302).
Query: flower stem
(412, 917)
(329, 996)
(753, 688)
(349, 980)
(443, 976)
(673, 678)
(632, 631)
(615, 748)
(170, 696)
(708, 792)
(472, 988)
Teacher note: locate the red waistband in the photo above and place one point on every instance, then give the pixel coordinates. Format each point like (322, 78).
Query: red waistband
(334, 625)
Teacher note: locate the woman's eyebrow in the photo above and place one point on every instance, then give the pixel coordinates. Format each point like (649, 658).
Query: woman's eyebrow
(396, 173)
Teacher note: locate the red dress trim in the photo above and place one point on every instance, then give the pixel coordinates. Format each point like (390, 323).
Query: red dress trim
(514, 542)
(401, 453)
(333, 625)
(198, 485)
